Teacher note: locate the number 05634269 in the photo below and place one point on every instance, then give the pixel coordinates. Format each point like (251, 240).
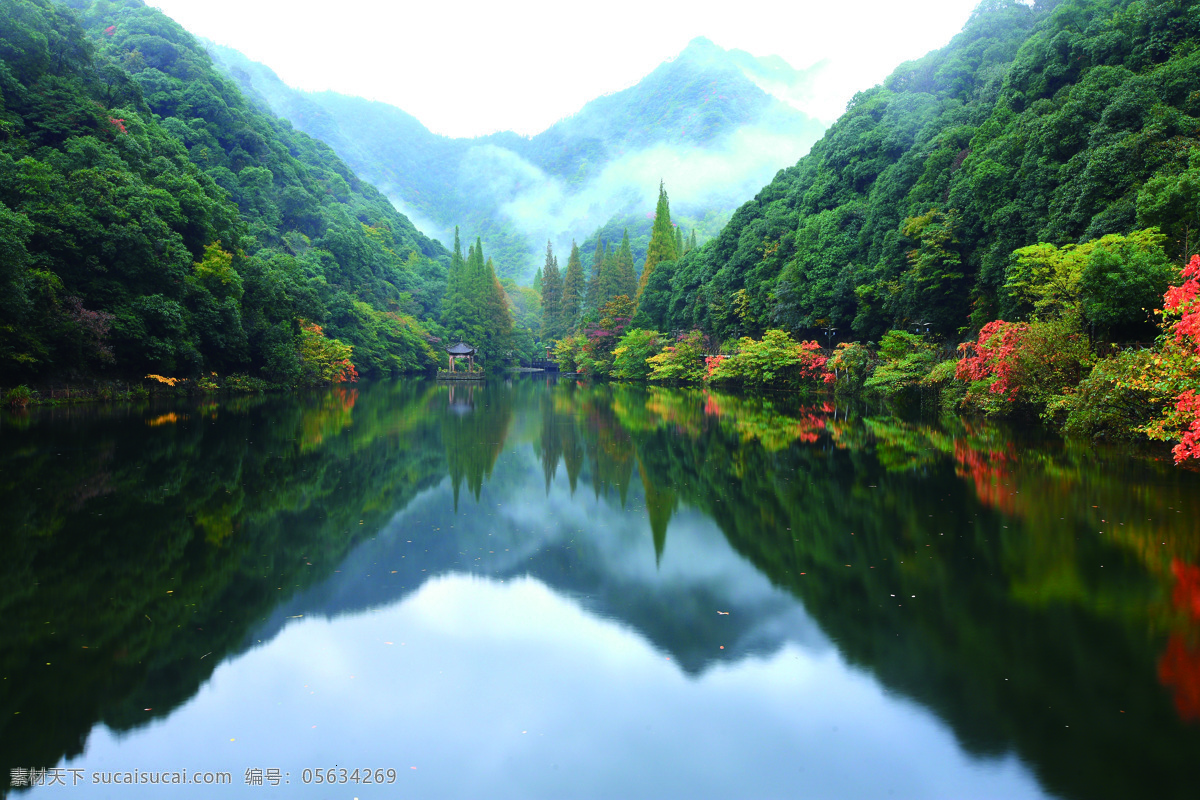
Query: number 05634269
(341, 775)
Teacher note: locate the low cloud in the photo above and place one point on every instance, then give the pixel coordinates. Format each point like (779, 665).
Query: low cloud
(721, 176)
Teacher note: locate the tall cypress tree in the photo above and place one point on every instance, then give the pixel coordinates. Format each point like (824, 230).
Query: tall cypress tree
(662, 240)
(610, 286)
(497, 316)
(573, 290)
(551, 297)
(476, 280)
(604, 277)
(595, 294)
(678, 242)
(456, 307)
(625, 280)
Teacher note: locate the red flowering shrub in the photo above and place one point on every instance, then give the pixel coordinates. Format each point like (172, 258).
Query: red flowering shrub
(1039, 364)
(1176, 364)
(711, 363)
(995, 357)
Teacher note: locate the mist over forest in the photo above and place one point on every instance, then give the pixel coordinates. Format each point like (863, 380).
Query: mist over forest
(714, 125)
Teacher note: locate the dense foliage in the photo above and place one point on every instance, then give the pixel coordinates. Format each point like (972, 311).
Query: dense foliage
(1057, 123)
(152, 220)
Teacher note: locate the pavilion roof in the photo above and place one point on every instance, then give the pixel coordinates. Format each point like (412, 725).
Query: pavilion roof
(460, 349)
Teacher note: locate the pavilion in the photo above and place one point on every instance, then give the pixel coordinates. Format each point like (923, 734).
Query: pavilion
(457, 351)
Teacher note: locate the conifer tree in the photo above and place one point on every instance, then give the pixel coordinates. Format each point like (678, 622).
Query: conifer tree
(595, 293)
(497, 316)
(625, 280)
(573, 290)
(551, 297)
(537, 281)
(477, 283)
(608, 282)
(662, 240)
(678, 242)
(456, 308)
(608, 276)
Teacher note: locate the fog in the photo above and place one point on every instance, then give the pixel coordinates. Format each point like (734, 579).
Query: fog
(698, 179)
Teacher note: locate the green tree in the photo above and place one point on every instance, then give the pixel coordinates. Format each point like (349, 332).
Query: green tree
(552, 287)
(662, 240)
(573, 291)
(1170, 201)
(325, 360)
(624, 278)
(458, 315)
(1112, 283)
(630, 357)
(497, 317)
(596, 294)
(934, 288)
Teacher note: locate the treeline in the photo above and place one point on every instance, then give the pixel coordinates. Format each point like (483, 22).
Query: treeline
(575, 297)
(154, 221)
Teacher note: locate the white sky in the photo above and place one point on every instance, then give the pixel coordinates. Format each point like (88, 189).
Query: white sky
(468, 68)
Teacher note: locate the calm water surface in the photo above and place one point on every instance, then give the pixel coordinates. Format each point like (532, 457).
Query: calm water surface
(536, 589)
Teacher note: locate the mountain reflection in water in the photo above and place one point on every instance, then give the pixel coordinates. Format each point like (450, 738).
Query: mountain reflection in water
(750, 556)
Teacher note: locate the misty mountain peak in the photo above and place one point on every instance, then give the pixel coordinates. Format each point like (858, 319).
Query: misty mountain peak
(771, 74)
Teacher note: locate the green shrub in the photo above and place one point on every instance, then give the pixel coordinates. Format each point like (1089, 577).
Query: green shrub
(568, 350)
(850, 365)
(776, 360)
(1105, 406)
(1052, 358)
(19, 396)
(682, 362)
(904, 361)
(245, 384)
(632, 353)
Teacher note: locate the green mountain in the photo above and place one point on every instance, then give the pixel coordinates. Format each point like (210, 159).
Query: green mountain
(1053, 122)
(154, 220)
(695, 121)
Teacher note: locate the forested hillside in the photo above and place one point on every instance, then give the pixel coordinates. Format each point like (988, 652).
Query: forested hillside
(1055, 123)
(701, 121)
(153, 220)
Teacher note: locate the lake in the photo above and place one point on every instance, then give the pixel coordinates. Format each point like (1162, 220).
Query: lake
(533, 588)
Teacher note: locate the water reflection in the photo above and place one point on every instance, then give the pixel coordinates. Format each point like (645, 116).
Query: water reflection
(1042, 601)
